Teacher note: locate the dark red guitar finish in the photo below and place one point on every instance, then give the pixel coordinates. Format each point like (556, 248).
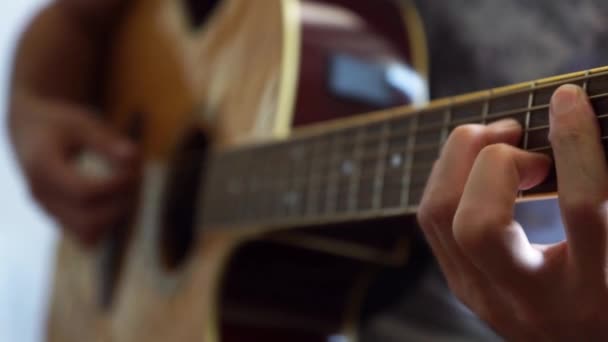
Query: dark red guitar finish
(284, 288)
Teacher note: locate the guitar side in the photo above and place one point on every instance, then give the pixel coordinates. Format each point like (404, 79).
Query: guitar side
(245, 75)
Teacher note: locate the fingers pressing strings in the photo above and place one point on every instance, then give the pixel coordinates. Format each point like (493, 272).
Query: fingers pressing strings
(484, 226)
(582, 178)
(446, 185)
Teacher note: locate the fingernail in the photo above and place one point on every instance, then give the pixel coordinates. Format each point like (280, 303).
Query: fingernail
(505, 124)
(565, 99)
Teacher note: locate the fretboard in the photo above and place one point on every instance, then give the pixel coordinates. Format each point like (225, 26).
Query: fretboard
(374, 165)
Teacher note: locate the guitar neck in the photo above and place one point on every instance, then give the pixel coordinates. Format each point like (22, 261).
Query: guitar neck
(375, 165)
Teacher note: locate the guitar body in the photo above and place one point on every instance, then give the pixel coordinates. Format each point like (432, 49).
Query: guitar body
(188, 79)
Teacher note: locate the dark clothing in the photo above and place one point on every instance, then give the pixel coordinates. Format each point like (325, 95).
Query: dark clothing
(478, 44)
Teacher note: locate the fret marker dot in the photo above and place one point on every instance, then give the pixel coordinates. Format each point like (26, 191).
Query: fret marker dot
(347, 167)
(396, 160)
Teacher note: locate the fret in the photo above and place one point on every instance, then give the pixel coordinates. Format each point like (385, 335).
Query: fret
(257, 188)
(287, 198)
(317, 178)
(394, 163)
(409, 163)
(509, 106)
(430, 126)
(428, 137)
(528, 114)
(538, 137)
(597, 84)
(586, 80)
(268, 180)
(249, 189)
(399, 154)
(425, 145)
(240, 187)
(326, 169)
(447, 119)
(332, 187)
(294, 155)
(370, 150)
(511, 101)
(356, 178)
(398, 146)
(603, 124)
(539, 118)
(543, 94)
(274, 186)
(346, 170)
(518, 115)
(600, 105)
(309, 207)
(299, 157)
(279, 183)
(214, 194)
(468, 112)
(380, 166)
(342, 197)
(424, 154)
(222, 190)
(431, 118)
(231, 189)
(486, 108)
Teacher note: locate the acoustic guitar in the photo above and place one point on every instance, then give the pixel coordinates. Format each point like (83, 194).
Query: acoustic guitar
(269, 208)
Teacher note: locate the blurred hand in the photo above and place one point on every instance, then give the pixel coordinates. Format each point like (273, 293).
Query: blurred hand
(49, 138)
(526, 292)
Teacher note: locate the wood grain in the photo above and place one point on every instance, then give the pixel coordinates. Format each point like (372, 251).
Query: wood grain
(176, 78)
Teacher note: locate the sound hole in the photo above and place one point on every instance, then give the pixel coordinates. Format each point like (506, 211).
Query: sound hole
(181, 198)
(199, 11)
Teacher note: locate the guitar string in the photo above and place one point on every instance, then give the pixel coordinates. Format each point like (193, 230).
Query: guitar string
(504, 114)
(437, 129)
(496, 115)
(395, 148)
(325, 166)
(417, 188)
(491, 116)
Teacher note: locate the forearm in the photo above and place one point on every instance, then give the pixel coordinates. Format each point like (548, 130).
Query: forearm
(62, 54)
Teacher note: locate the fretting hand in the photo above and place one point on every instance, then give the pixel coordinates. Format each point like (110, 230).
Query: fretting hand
(524, 291)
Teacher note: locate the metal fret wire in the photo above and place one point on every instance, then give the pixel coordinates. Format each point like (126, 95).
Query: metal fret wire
(356, 177)
(443, 128)
(380, 165)
(326, 177)
(472, 120)
(409, 162)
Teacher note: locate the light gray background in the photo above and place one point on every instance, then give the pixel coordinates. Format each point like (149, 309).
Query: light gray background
(26, 239)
